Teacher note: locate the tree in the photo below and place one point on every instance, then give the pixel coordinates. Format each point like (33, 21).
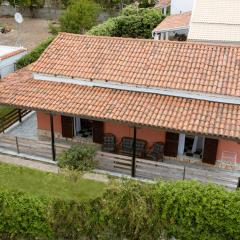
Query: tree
(133, 22)
(80, 16)
(31, 4)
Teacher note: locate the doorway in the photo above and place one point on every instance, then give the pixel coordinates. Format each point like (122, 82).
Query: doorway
(191, 145)
(83, 127)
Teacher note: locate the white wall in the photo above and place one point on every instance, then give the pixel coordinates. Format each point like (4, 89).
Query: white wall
(180, 6)
(8, 65)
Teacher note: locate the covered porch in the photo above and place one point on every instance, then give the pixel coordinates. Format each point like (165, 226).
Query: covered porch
(122, 147)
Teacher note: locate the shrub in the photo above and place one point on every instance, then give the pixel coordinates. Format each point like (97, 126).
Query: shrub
(80, 16)
(187, 210)
(78, 157)
(33, 55)
(23, 216)
(133, 22)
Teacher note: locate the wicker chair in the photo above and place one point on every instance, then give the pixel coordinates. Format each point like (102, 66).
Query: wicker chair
(109, 143)
(156, 151)
(126, 147)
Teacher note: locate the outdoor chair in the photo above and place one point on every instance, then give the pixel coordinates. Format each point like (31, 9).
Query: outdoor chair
(140, 148)
(126, 146)
(109, 143)
(156, 151)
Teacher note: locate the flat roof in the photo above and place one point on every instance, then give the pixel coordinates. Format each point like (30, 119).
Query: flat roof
(9, 51)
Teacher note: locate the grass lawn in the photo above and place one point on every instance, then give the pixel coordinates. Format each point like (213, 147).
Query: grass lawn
(48, 184)
(4, 110)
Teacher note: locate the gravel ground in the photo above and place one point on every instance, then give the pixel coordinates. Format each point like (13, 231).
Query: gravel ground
(29, 34)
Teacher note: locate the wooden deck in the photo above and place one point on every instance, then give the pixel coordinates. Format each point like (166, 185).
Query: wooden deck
(123, 164)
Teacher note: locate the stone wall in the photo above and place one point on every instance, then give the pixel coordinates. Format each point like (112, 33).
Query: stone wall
(45, 13)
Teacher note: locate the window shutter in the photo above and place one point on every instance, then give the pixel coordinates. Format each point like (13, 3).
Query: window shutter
(210, 151)
(98, 132)
(171, 144)
(67, 127)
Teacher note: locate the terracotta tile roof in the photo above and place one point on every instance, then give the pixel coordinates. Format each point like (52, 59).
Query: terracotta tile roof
(177, 21)
(176, 65)
(144, 109)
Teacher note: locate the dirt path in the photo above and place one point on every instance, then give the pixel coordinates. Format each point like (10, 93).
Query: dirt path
(30, 33)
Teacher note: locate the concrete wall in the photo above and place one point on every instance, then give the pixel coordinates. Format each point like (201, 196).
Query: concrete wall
(180, 6)
(229, 147)
(46, 13)
(7, 66)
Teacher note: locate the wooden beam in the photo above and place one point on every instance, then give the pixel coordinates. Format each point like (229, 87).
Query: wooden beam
(134, 152)
(52, 138)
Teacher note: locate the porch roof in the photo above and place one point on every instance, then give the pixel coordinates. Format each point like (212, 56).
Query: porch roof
(142, 109)
(174, 22)
(193, 67)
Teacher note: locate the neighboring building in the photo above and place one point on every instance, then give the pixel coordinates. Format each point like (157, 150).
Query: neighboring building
(215, 21)
(8, 59)
(181, 6)
(184, 95)
(164, 5)
(174, 27)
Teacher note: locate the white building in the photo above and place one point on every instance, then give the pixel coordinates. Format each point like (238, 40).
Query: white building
(215, 21)
(175, 26)
(8, 58)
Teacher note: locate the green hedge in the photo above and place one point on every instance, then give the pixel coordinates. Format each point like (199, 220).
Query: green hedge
(33, 55)
(131, 23)
(187, 210)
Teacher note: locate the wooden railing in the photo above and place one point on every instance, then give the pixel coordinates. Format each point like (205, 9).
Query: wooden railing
(12, 117)
(30, 147)
(148, 169)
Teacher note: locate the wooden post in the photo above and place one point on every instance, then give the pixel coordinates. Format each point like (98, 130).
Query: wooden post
(19, 115)
(52, 138)
(134, 151)
(17, 145)
(184, 172)
(238, 185)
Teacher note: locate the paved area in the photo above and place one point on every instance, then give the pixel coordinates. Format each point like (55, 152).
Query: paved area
(26, 129)
(28, 163)
(29, 34)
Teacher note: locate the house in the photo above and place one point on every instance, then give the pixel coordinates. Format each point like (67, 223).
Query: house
(184, 95)
(173, 27)
(215, 21)
(164, 5)
(8, 58)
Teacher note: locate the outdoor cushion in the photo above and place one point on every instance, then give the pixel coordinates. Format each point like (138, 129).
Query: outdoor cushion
(109, 143)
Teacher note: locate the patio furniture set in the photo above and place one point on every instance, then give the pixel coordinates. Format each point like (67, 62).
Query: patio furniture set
(125, 147)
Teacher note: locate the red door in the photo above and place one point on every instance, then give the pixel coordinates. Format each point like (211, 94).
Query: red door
(67, 126)
(210, 151)
(98, 131)
(171, 144)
